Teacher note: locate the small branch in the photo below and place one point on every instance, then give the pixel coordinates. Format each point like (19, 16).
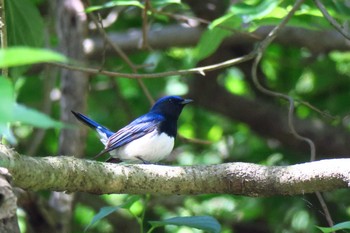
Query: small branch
(180, 36)
(325, 209)
(198, 70)
(195, 140)
(145, 44)
(124, 57)
(331, 20)
(64, 173)
(114, 46)
(262, 47)
(272, 35)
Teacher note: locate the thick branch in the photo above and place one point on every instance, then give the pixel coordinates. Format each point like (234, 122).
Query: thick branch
(72, 175)
(179, 36)
(8, 204)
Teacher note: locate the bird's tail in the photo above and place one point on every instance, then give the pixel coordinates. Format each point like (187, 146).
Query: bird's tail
(101, 130)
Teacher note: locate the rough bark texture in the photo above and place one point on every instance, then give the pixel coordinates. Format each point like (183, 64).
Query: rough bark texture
(77, 175)
(8, 204)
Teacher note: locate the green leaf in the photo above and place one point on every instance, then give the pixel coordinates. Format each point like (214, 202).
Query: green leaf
(104, 211)
(24, 23)
(33, 117)
(209, 42)
(261, 9)
(223, 20)
(7, 100)
(25, 27)
(16, 56)
(206, 223)
(107, 210)
(113, 4)
(6, 109)
(130, 201)
(12, 112)
(214, 35)
(6, 132)
(164, 3)
(337, 227)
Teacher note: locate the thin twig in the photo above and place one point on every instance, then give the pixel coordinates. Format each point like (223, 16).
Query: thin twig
(145, 44)
(198, 70)
(114, 46)
(121, 53)
(126, 59)
(272, 35)
(195, 140)
(319, 111)
(98, 22)
(331, 20)
(325, 208)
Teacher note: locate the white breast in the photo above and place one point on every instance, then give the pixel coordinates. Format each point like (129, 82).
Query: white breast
(152, 147)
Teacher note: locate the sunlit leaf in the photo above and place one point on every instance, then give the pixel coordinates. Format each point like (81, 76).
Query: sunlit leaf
(206, 223)
(217, 31)
(7, 99)
(17, 56)
(113, 4)
(224, 20)
(130, 201)
(7, 102)
(33, 117)
(6, 132)
(342, 10)
(164, 3)
(261, 9)
(337, 227)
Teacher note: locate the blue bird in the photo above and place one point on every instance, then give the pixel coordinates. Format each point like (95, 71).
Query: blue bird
(148, 139)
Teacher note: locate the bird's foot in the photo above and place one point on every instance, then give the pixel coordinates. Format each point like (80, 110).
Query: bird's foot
(113, 160)
(143, 161)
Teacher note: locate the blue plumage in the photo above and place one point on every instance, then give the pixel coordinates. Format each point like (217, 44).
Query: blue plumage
(147, 139)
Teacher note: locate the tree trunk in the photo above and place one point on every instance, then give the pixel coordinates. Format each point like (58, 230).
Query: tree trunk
(71, 30)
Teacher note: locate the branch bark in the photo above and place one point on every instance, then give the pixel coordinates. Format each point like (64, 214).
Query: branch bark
(8, 204)
(179, 36)
(78, 175)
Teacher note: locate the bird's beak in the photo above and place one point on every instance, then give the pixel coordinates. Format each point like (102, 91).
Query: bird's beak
(186, 101)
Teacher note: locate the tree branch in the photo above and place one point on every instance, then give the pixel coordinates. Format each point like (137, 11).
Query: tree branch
(197, 70)
(269, 120)
(331, 20)
(77, 175)
(8, 204)
(179, 36)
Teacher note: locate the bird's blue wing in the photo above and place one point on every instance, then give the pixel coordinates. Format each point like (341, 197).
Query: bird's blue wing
(136, 129)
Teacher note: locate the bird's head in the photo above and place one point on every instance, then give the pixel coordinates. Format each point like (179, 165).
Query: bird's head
(170, 106)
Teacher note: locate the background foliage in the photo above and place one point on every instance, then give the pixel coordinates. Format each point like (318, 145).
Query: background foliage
(299, 63)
